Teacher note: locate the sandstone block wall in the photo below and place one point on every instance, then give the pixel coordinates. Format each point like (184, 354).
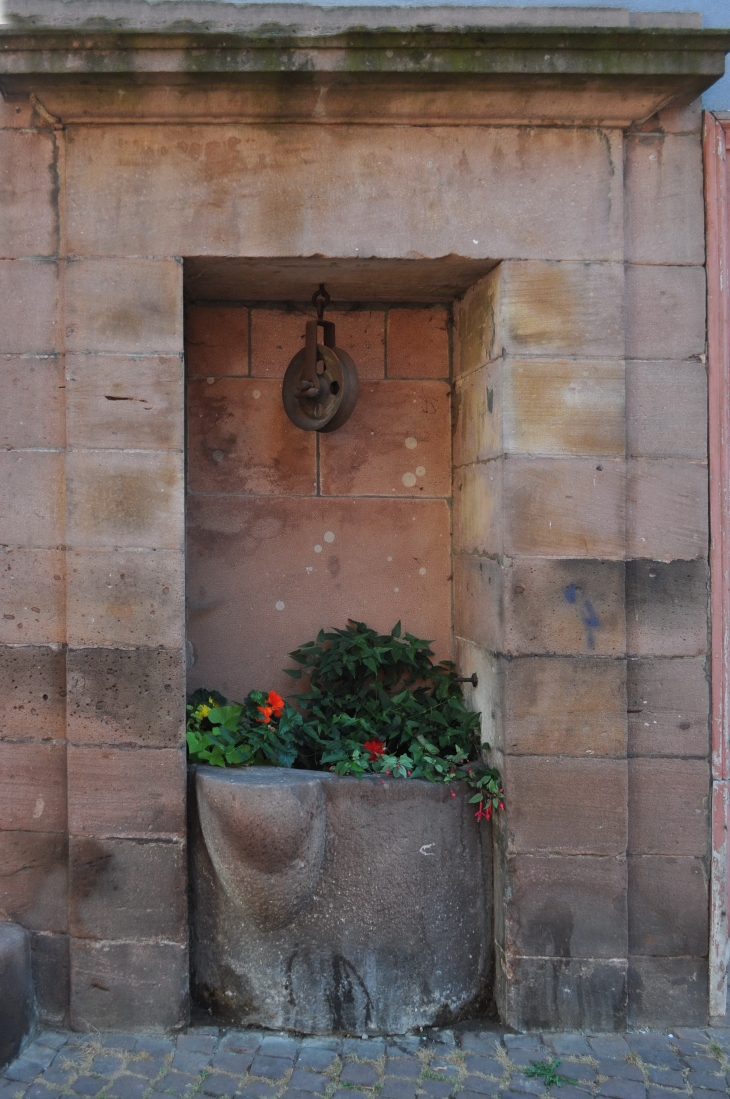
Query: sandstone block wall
(579, 524)
(290, 531)
(582, 589)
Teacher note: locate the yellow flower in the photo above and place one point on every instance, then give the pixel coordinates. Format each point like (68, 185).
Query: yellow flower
(203, 711)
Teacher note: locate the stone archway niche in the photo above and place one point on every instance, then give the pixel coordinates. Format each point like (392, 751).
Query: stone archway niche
(322, 904)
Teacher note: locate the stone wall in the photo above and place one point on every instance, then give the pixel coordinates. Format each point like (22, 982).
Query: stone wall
(291, 531)
(580, 531)
(581, 592)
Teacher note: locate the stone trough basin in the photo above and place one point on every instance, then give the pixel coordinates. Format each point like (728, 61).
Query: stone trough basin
(323, 904)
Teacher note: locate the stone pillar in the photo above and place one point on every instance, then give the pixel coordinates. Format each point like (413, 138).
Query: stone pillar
(33, 841)
(667, 573)
(126, 690)
(539, 536)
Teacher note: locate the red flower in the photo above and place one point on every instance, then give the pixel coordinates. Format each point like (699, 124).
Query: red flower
(276, 702)
(266, 711)
(375, 747)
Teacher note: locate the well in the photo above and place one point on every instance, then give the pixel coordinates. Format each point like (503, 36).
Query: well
(541, 186)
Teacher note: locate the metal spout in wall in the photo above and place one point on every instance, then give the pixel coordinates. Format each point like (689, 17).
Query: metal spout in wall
(320, 386)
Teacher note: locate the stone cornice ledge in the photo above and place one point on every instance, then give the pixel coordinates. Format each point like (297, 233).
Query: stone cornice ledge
(603, 66)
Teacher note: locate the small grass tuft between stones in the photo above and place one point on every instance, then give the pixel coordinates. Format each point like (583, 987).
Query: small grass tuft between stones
(547, 1071)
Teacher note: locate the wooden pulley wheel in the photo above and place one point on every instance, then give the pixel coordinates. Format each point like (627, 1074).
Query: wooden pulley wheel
(326, 404)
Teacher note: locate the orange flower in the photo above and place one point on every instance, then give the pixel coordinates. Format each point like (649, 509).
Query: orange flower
(276, 702)
(267, 712)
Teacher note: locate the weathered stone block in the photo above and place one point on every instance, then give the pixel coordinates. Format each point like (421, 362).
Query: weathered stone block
(666, 608)
(566, 907)
(128, 986)
(29, 295)
(573, 507)
(665, 312)
(32, 786)
(418, 343)
(32, 597)
(656, 786)
(32, 693)
(50, 962)
(668, 906)
(120, 402)
(478, 415)
(127, 889)
(17, 113)
(16, 1006)
(32, 414)
(127, 795)
(125, 305)
(242, 441)
(561, 706)
(125, 599)
(666, 410)
(669, 707)
(558, 309)
(665, 214)
(34, 879)
(216, 340)
(478, 508)
(398, 443)
(564, 406)
(121, 499)
(297, 926)
(126, 697)
(362, 333)
(31, 498)
(28, 185)
(132, 190)
(400, 570)
(667, 510)
(668, 992)
(276, 336)
(478, 604)
(569, 608)
(486, 697)
(592, 821)
(682, 116)
(475, 321)
(565, 994)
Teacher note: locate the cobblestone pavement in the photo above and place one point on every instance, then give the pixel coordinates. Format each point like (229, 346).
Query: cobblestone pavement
(212, 1063)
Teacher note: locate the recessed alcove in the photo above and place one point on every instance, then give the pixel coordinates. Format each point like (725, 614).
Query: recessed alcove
(291, 531)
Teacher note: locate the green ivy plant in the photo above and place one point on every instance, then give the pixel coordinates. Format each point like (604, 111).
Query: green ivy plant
(375, 704)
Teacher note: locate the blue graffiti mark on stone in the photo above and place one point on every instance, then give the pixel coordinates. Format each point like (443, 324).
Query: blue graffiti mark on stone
(589, 618)
(591, 621)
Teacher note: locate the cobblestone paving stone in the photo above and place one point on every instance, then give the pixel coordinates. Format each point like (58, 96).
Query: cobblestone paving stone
(212, 1063)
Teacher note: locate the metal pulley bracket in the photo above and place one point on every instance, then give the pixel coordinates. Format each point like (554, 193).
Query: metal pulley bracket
(320, 386)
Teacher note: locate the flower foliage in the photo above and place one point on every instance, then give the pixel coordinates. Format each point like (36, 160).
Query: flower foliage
(378, 704)
(375, 704)
(262, 730)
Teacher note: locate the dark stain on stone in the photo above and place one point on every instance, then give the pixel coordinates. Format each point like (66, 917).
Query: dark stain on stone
(346, 982)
